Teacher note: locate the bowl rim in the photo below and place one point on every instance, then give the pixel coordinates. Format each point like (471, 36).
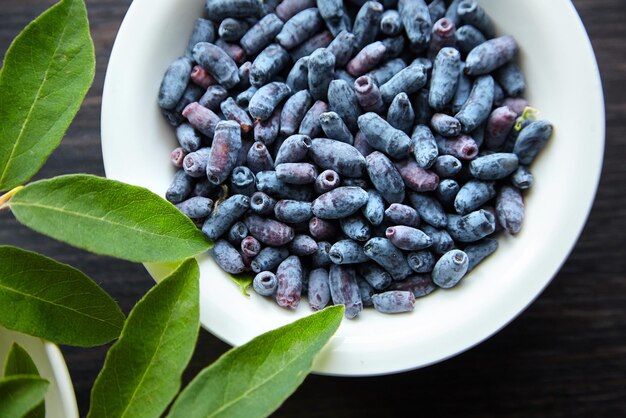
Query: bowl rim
(598, 115)
(45, 353)
(63, 379)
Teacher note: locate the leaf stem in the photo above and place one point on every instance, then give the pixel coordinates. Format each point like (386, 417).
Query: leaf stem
(5, 198)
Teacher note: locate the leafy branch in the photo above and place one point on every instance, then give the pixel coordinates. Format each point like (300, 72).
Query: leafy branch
(47, 72)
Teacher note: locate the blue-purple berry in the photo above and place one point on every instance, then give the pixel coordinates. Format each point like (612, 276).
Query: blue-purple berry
(323, 229)
(299, 28)
(344, 289)
(394, 301)
(237, 233)
(472, 227)
(302, 245)
(478, 251)
(347, 251)
(267, 182)
(188, 138)
(225, 215)
(318, 289)
(531, 140)
(259, 158)
(310, 125)
(203, 31)
(450, 269)
(339, 203)
(388, 256)
(510, 209)
(391, 23)
(366, 24)
(442, 241)
(494, 166)
(265, 283)
(417, 23)
(374, 208)
(269, 231)
(296, 173)
(267, 98)
(473, 14)
(490, 55)
(290, 278)
(400, 114)
(261, 34)
(424, 146)
(262, 204)
(522, 178)
(293, 112)
(478, 106)
(338, 156)
(298, 77)
(375, 275)
(341, 47)
(174, 83)
(399, 214)
(269, 258)
(429, 209)
(292, 211)
(421, 261)
(420, 285)
(320, 257)
(196, 207)
(180, 188)
(473, 195)
(385, 177)
(445, 78)
(447, 166)
(384, 137)
(511, 78)
(195, 162)
(408, 238)
(408, 80)
(342, 99)
(334, 128)
(217, 62)
(294, 149)
(227, 257)
(447, 190)
(366, 291)
(321, 73)
(356, 227)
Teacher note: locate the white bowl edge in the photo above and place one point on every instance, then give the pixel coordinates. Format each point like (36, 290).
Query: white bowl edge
(60, 398)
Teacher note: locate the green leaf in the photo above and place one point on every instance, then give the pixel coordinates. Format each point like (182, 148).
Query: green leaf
(254, 380)
(21, 394)
(108, 217)
(46, 74)
(142, 371)
(47, 299)
(19, 363)
(244, 281)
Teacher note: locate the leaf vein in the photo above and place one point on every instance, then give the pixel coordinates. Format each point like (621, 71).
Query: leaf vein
(153, 355)
(91, 217)
(228, 404)
(33, 105)
(67, 308)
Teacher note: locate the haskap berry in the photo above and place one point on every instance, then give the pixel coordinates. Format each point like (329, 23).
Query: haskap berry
(363, 156)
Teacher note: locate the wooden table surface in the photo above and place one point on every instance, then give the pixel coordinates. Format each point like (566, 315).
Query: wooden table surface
(565, 356)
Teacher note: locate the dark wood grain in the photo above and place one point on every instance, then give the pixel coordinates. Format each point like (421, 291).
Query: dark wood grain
(565, 356)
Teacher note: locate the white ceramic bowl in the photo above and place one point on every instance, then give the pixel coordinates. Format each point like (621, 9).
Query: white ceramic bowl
(60, 400)
(563, 82)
